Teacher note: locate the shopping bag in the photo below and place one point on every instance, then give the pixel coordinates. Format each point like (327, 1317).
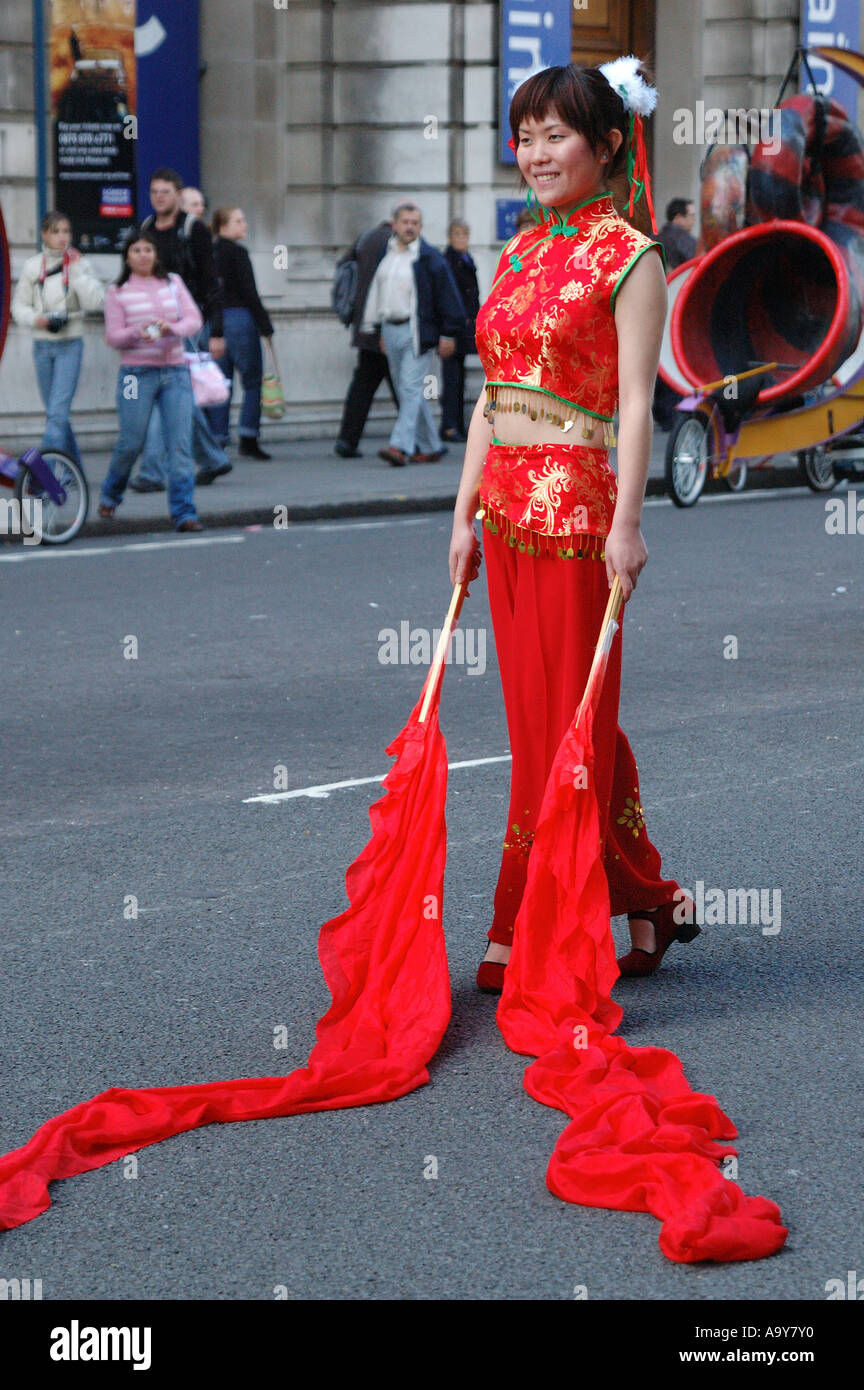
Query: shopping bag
(272, 396)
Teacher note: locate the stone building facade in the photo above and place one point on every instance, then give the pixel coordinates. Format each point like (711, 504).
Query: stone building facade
(317, 115)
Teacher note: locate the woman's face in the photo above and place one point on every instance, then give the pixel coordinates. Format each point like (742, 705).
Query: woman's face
(141, 257)
(558, 162)
(236, 227)
(58, 237)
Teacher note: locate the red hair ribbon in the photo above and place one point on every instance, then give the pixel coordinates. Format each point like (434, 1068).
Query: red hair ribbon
(512, 143)
(637, 169)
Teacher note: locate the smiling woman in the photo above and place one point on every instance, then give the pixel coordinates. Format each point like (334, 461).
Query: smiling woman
(571, 328)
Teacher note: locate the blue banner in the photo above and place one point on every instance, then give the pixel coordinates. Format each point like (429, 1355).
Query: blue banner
(166, 51)
(5, 283)
(535, 34)
(832, 24)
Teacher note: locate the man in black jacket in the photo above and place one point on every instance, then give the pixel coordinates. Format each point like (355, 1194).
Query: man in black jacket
(464, 269)
(414, 303)
(372, 367)
(184, 245)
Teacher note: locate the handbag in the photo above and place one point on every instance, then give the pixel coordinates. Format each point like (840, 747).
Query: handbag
(273, 403)
(210, 385)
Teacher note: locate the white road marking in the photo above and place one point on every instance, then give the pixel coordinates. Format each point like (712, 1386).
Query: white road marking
(270, 798)
(758, 495)
(41, 552)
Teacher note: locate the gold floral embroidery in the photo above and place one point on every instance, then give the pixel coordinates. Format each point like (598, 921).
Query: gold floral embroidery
(545, 495)
(634, 814)
(574, 290)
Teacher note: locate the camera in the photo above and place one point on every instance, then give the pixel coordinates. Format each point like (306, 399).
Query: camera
(152, 331)
(56, 322)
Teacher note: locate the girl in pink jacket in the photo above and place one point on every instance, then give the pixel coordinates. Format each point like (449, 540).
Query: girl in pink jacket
(148, 313)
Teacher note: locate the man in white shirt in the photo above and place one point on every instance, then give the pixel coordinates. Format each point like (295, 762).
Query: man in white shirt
(414, 302)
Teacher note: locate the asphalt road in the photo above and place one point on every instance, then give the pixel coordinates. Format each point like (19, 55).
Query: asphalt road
(259, 649)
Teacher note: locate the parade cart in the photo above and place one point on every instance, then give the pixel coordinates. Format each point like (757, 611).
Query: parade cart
(764, 340)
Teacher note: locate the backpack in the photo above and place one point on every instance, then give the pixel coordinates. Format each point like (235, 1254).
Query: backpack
(343, 295)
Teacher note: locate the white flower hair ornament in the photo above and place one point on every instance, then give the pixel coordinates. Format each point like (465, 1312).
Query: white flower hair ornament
(639, 99)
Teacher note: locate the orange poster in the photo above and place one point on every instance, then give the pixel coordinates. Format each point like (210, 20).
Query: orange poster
(93, 103)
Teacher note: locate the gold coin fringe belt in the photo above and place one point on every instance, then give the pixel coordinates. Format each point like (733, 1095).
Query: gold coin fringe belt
(579, 546)
(538, 406)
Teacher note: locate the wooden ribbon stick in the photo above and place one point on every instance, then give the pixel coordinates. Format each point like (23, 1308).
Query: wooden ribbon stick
(459, 591)
(601, 651)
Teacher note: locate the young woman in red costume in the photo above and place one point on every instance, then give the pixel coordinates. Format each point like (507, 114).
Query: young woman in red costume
(570, 330)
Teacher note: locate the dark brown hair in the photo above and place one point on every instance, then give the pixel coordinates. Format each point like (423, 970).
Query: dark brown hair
(52, 220)
(584, 100)
(140, 234)
(165, 175)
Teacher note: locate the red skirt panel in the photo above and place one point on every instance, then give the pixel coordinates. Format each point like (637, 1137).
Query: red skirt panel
(546, 616)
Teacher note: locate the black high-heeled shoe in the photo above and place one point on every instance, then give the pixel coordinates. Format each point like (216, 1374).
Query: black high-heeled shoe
(666, 930)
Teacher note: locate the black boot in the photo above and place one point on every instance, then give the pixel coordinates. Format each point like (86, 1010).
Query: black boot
(251, 449)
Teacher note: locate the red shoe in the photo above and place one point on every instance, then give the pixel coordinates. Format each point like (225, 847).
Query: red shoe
(490, 976)
(666, 930)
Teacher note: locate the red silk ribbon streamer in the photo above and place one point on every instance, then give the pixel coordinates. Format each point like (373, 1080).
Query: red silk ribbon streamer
(638, 1139)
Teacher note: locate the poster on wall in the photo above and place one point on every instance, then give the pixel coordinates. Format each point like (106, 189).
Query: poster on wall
(93, 107)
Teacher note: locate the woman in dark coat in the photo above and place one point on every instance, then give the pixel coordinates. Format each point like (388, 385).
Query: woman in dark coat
(246, 323)
(464, 271)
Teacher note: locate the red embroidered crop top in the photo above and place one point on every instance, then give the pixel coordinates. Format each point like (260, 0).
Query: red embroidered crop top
(546, 333)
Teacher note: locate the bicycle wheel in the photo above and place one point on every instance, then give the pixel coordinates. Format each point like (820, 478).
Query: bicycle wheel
(687, 451)
(736, 478)
(818, 468)
(61, 521)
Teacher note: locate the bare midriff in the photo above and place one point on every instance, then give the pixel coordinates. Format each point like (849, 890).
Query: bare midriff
(531, 417)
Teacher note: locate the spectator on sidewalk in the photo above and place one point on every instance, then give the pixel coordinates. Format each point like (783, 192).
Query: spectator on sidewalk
(246, 322)
(464, 270)
(148, 313)
(372, 366)
(414, 302)
(192, 201)
(676, 235)
(676, 238)
(185, 247)
(55, 290)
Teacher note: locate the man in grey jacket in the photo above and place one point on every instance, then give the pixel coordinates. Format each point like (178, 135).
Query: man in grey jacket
(372, 367)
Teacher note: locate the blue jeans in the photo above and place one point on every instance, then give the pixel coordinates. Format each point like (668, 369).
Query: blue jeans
(207, 452)
(415, 427)
(169, 389)
(58, 366)
(243, 353)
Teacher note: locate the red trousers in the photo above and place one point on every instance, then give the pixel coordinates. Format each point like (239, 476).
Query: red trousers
(546, 616)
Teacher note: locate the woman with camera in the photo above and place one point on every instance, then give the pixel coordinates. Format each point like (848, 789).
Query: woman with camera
(56, 289)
